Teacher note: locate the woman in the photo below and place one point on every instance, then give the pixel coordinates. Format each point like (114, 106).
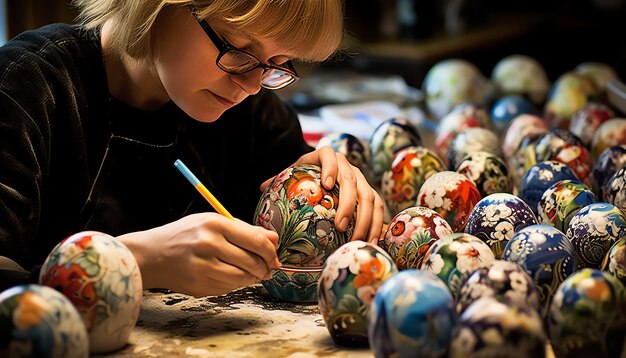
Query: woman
(94, 116)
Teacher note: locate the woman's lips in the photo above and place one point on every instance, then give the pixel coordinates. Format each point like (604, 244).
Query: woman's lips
(224, 101)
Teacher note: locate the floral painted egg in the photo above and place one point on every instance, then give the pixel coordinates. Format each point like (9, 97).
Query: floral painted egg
(387, 139)
(615, 261)
(101, 278)
(38, 321)
(605, 165)
(615, 189)
(518, 136)
(462, 117)
(551, 143)
(505, 281)
(472, 140)
(608, 134)
(490, 328)
(355, 150)
(450, 194)
(587, 317)
(561, 201)
(302, 212)
(487, 171)
(586, 120)
(569, 93)
(455, 256)
(496, 218)
(411, 233)
(453, 81)
(539, 178)
(521, 75)
(546, 255)
(412, 316)
(508, 107)
(350, 278)
(593, 230)
(577, 157)
(294, 284)
(600, 73)
(410, 168)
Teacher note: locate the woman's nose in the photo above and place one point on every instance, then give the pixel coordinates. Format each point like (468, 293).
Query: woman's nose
(250, 82)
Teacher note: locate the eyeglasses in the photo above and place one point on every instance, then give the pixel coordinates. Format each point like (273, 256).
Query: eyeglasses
(236, 61)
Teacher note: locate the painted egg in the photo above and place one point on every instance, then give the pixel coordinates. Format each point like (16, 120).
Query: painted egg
(505, 281)
(521, 75)
(490, 328)
(615, 189)
(551, 143)
(412, 315)
(472, 140)
(302, 212)
(546, 255)
(521, 133)
(350, 279)
(539, 178)
(411, 233)
(608, 134)
(410, 168)
(569, 93)
(600, 73)
(295, 284)
(461, 117)
(605, 166)
(453, 81)
(508, 107)
(455, 256)
(487, 171)
(586, 120)
(593, 230)
(38, 321)
(496, 218)
(587, 317)
(387, 139)
(578, 158)
(615, 261)
(561, 201)
(101, 278)
(450, 194)
(355, 150)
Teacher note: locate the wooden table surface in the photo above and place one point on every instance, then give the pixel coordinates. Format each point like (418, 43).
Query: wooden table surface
(245, 323)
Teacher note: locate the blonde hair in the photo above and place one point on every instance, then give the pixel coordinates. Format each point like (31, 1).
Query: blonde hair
(310, 29)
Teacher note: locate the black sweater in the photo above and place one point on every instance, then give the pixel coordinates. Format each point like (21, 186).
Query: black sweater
(73, 158)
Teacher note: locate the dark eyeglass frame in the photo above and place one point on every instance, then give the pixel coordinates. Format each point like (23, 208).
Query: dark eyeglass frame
(224, 47)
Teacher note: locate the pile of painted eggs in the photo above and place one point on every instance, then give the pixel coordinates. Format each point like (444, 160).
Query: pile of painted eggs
(507, 231)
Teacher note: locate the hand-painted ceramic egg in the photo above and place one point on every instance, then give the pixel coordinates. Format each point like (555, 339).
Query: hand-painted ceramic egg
(586, 120)
(460, 118)
(505, 281)
(410, 168)
(521, 75)
(38, 321)
(561, 201)
(569, 93)
(593, 230)
(605, 166)
(490, 328)
(588, 316)
(450, 194)
(101, 278)
(412, 316)
(355, 150)
(295, 284)
(615, 189)
(487, 171)
(452, 81)
(518, 134)
(615, 261)
(387, 139)
(539, 178)
(350, 279)
(411, 233)
(302, 212)
(551, 143)
(508, 107)
(577, 157)
(608, 134)
(471, 140)
(546, 255)
(453, 257)
(600, 73)
(496, 218)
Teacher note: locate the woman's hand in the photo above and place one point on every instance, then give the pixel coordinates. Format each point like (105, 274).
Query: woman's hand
(354, 189)
(203, 254)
